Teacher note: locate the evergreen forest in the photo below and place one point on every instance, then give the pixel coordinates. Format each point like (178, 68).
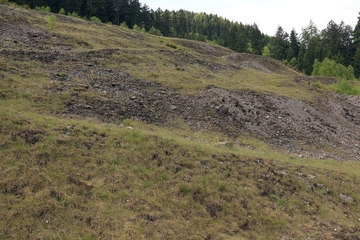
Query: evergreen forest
(337, 45)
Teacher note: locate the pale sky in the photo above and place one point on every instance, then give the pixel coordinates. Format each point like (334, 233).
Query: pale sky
(269, 14)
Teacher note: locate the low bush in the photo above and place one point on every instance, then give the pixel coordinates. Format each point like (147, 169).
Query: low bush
(43, 9)
(346, 87)
(95, 19)
(62, 11)
(171, 45)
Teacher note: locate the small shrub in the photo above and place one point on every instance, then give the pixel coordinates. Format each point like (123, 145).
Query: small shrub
(345, 87)
(155, 31)
(4, 1)
(62, 11)
(74, 14)
(136, 27)
(123, 24)
(318, 85)
(266, 51)
(62, 74)
(95, 19)
(43, 9)
(293, 62)
(171, 45)
(51, 22)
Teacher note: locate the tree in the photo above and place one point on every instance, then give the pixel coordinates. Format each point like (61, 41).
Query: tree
(62, 11)
(337, 42)
(155, 31)
(310, 48)
(146, 20)
(266, 52)
(255, 38)
(308, 33)
(356, 63)
(356, 59)
(310, 55)
(279, 44)
(331, 68)
(294, 47)
(331, 39)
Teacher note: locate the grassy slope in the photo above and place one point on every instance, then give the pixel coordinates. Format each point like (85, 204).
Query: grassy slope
(66, 178)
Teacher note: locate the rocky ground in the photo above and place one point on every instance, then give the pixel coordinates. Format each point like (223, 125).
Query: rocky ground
(309, 129)
(327, 128)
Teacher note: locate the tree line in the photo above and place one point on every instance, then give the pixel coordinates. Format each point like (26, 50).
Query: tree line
(338, 42)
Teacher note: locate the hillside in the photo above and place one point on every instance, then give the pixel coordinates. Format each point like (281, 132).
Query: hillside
(109, 133)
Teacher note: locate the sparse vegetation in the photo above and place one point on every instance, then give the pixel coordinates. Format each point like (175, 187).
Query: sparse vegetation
(72, 169)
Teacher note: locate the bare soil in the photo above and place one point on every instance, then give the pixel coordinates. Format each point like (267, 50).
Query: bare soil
(327, 127)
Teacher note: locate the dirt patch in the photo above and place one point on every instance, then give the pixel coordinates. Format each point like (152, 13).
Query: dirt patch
(23, 36)
(326, 128)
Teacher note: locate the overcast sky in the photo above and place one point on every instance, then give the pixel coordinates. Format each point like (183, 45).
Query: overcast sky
(269, 14)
